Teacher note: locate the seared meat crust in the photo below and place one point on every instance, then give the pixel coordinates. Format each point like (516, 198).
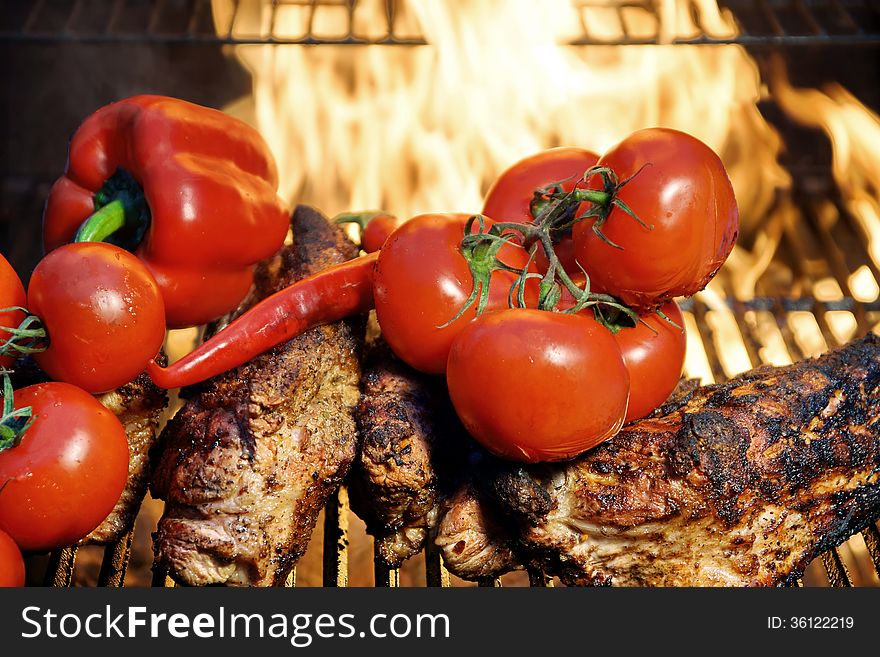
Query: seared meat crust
(394, 486)
(139, 406)
(742, 485)
(475, 539)
(252, 457)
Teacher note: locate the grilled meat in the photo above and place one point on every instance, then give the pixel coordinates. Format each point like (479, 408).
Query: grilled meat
(253, 455)
(474, 538)
(394, 486)
(742, 485)
(139, 406)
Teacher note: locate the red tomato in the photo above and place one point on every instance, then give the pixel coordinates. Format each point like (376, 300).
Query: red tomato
(511, 194)
(11, 563)
(11, 294)
(377, 231)
(654, 359)
(684, 192)
(67, 473)
(422, 280)
(531, 385)
(103, 314)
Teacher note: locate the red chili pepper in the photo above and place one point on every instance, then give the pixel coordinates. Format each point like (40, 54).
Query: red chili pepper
(328, 296)
(190, 190)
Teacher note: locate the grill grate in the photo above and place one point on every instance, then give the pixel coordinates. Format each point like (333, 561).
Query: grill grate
(761, 23)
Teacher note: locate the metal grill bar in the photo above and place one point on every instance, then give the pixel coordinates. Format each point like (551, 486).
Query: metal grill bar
(761, 23)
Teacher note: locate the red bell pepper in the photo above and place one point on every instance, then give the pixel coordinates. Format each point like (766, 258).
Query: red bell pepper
(190, 190)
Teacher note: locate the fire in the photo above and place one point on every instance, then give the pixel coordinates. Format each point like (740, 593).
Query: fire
(412, 129)
(854, 131)
(428, 128)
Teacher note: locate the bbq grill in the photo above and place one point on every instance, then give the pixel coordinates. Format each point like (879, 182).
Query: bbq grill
(822, 246)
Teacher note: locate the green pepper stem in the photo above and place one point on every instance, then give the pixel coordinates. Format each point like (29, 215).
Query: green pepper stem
(103, 223)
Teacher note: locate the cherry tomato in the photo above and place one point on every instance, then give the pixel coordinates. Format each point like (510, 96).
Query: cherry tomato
(684, 192)
(531, 385)
(68, 471)
(654, 357)
(103, 313)
(511, 194)
(11, 562)
(422, 280)
(377, 230)
(11, 294)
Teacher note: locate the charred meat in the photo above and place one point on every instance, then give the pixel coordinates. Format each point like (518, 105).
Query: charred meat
(476, 541)
(394, 484)
(251, 458)
(742, 485)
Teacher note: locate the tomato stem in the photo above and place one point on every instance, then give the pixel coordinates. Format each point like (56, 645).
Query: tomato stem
(14, 422)
(555, 211)
(28, 338)
(359, 218)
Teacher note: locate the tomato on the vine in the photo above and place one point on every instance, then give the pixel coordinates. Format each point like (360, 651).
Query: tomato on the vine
(11, 562)
(377, 230)
(103, 313)
(11, 294)
(681, 189)
(511, 195)
(654, 355)
(531, 385)
(422, 280)
(66, 473)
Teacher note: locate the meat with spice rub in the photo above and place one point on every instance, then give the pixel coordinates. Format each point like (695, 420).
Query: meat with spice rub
(250, 460)
(742, 485)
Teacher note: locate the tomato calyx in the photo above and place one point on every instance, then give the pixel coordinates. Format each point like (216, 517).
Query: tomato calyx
(121, 215)
(28, 338)
(480, 250)
(13, 422)
(602, 201)
(555, 211)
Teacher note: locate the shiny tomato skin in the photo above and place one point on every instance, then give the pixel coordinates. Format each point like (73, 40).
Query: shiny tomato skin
(68, 471)
(422, 280)
(11, 294)
(684, 192)
(377, 230)
(103, 313)
(531, 385)
(511, 194)
(654, 356)
(11, 562)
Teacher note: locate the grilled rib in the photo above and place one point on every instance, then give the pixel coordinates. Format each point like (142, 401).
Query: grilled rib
(743, 485)
(252, 457)
(474, 538)
(138, 405)
(394, 484)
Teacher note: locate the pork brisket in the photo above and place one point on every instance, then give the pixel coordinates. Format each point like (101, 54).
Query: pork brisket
(250, 460)
(742, 485)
